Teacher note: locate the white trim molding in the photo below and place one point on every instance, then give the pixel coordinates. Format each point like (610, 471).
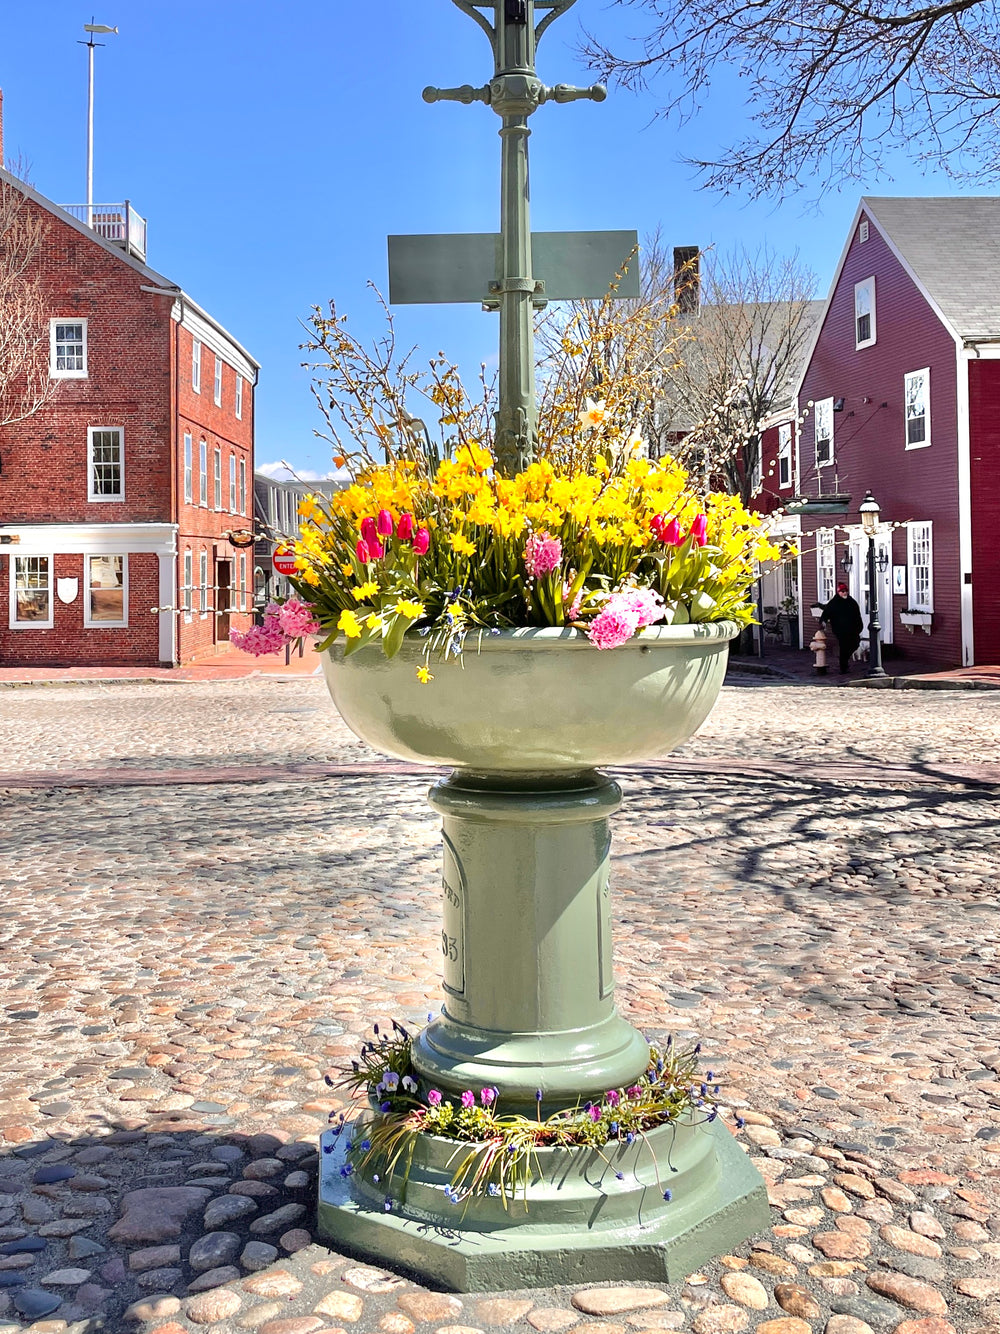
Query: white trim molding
(966, 589)
(97, 539)
(209, 336)
(54, 372)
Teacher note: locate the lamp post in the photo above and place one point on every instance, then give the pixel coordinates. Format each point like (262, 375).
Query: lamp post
(91, 28)
(869, 510)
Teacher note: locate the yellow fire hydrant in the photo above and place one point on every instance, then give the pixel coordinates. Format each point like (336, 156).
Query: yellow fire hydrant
(818, 646)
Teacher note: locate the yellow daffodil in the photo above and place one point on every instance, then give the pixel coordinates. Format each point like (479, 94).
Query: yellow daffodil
(347, 571)
(454, 609)
(350, 624)
(373, 622)
(411, 610)
(424, 675)
(462, 545)
(365, 591)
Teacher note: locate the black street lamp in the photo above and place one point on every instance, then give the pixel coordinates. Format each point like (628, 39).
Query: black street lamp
(869, 510)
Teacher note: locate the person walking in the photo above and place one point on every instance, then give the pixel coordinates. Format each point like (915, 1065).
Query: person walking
(843, 615)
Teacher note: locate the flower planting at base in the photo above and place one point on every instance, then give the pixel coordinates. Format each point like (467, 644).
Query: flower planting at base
(496, 1151)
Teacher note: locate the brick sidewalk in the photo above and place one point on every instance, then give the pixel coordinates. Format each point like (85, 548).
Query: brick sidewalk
(230, 665)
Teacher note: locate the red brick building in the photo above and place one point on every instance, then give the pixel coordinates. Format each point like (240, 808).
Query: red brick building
(118, 499)
(900, 396)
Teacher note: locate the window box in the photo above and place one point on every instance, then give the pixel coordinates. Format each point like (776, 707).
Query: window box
(922, 618)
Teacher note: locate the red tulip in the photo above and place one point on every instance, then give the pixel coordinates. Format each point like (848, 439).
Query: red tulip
(376, 550)
(698, 529)
(404, 528)
(656, 526)
(384, 523)
(421, 541)
(671, 534)
(369, 531)
(362, 552)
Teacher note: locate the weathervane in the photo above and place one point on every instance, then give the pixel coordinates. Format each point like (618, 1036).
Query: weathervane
(498, 270)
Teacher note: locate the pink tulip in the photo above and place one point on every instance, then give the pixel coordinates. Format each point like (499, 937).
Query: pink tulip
(369, 531)
(404, 528)
(421, 541)
(670, 534)
(376, 550)
(656, 526)
(362, 552)
(384, 523)
(698, 529)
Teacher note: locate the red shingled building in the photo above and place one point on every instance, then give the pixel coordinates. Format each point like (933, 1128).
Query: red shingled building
(119, 498)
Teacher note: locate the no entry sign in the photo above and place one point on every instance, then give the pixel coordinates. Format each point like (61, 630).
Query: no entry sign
(284, 560)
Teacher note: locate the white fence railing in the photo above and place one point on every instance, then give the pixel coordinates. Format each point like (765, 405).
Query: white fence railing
(115, 222)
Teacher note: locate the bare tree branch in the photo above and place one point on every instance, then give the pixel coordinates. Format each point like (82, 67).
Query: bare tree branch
(830, 84)
(25, 385)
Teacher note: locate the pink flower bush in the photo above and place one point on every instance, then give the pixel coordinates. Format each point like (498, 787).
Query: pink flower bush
(542, 554)
(296, 619)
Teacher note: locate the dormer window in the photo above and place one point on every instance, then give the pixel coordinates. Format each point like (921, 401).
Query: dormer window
(864, 313)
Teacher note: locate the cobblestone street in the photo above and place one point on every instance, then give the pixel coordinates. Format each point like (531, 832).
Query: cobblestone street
(211, 889)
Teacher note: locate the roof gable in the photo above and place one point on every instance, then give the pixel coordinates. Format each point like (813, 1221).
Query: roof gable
(951, 245)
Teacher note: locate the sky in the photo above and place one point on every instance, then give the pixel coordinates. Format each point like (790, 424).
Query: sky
(273, 148)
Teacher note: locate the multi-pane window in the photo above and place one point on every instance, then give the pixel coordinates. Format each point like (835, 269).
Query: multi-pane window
(824, 432)
(105, 604)
(920, 566)
(864, 313)
(218, 381)
(243, 486)
(106, 469)
(188, 468)
(203, 473)
(917, 408)
(239, 397)
(196, 366)
(232, 484)
(188, 581)
(68, 349)
(203, 582)
(31, 591)
(217, 478)
(785, 455)
(826, 560)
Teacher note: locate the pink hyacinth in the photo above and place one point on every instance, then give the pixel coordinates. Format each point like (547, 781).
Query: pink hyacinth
(384, 523)
(369, 532)
(542, 554)
(404, 528)
(698, 530)
(646, 603)
(296, 619)
(260, 639)
(613, 626)
(421, 541)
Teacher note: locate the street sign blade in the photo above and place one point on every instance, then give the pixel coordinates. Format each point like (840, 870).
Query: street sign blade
(446, 268)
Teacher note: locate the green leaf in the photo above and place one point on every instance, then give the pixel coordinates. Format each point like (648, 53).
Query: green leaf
(393, 641)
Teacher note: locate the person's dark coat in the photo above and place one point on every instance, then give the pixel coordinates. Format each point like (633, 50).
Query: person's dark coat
(843, 615)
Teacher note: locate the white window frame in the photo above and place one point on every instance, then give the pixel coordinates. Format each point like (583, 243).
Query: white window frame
(239, 397)
(823, 408)
(88, 621)
(757, 471)
(919, 542)
(187, 590)
(196, 366)
(863, 231)
(203, 473)
(103, 498)
(243, 581)
(217, 478)
(911, 377)
(826, 564)
(863, 289)
(54, 372)
(203, 583)
(232, 483)
(217, 389)
(785, 455)
(188, 469)
(13, 622)
(243, 486)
